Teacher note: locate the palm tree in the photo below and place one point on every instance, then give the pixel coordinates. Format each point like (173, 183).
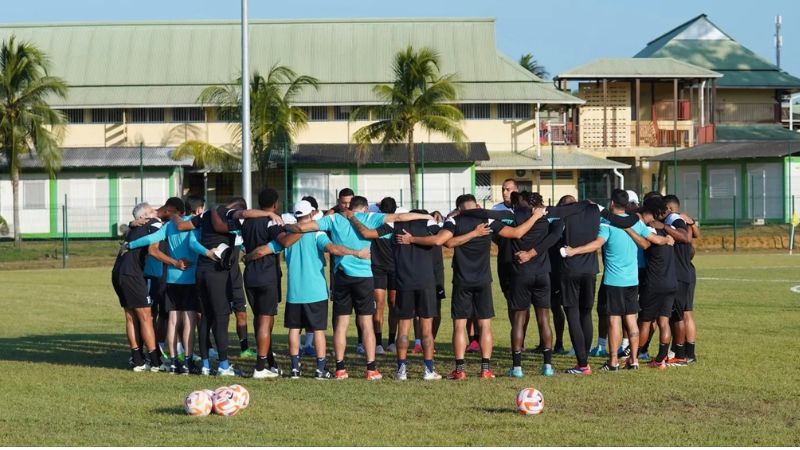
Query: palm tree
(420, 96)
(27, 123)
(274, 120)
(532, 65)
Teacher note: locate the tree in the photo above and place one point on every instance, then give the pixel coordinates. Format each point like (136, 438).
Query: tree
(274, 120)
(419, 96)
(27, 123)
(532, 65)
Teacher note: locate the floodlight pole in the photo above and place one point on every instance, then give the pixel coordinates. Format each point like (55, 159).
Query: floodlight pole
(246, 182)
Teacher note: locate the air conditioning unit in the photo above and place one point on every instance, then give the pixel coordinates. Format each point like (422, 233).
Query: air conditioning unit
(758, 222)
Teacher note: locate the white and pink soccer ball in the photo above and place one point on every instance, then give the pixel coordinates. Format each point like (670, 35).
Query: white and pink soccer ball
(198, 404)
(226, 401)
(242, 395)
(530, 402)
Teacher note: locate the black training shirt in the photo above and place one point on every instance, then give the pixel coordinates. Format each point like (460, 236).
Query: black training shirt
(684, 268)
(660, 266)
(132, 262)
(210, 239)
(471, 260)
(540, 237)
(414, 264)
(267, 270)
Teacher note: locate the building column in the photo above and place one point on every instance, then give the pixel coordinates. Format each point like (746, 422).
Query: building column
(638, 104)
(605, 113)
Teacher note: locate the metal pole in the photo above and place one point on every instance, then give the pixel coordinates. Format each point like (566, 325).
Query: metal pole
(675, 135)
(64, 236)
(205, 186)
(141, 170)
(422, 194)
(552, 165)
(734, 222)
(286, 177)
(66, 230)
(246, 183)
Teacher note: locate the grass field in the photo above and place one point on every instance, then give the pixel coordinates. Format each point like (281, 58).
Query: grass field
(63, 358)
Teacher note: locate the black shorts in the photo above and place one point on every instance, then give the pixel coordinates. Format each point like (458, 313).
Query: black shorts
(383, 279)
(440, 293)
(527, 291)
(578, 291)
(157, 290)
(602, 300)
(183, 296)
(212, 287)
(131, 291)
(690, 297)
(555, 290)
(505, 276)
(469, 302)
(655, 303)
(418, 302)
(681, 298)
(236, 292)
(264, 299)
(353, 293)
(622, 301)
(311, 316)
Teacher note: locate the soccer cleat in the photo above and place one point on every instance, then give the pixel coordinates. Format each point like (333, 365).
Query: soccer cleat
(213, 354)
(308, 350)
(629, 366)
(379, 349)
(196, 358)
(653, 364)
(184, 369)
(457, 375)
(164, 367)
(278, 372)
(598, 351)
(487, 374)
(143, 368)
(607, 367)
(263, 374)
(130, 362)
(173, 369)
(547, 370)
(571, 352)
(560, 351)
(473, 347)
(691, 360)
(677, 362)
(295, 374)
(341, 374)
(538, 349)
(322, 374)
(670, 354)
(417, 348)
(623, 352)
(229, 372)
(247, 353)
(578, 370)
(644, 357)
(515, 372)
(205, 371)
(401, 374)
(431, 376)
(391, 348)
(373, 375)
(360, 349)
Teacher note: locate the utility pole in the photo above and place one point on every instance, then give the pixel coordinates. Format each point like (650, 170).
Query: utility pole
(246, 184)
(778, 41)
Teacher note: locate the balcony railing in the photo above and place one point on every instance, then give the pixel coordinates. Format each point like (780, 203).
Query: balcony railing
(559, 133)
(734, 112)
(663, 110)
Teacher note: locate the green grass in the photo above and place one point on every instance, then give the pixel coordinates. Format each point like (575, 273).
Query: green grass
(49, 254)
(63, 358)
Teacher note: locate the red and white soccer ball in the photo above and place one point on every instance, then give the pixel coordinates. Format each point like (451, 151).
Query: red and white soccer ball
(198, 404)
(243, 395)
(530, 402)
(226, 401)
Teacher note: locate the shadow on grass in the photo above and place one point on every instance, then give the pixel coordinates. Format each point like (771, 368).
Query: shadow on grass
(508, 411)
(170, 411)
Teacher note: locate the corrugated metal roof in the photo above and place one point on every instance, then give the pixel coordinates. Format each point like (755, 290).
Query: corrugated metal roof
(703, 44)
(638, 68)
(766, 132)
(734, 150)
(391, 154)
(564, 159)
(86, 157)
(168, 63)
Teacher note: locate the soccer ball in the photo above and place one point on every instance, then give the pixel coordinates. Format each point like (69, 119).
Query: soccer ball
(530, 402)
(226, 401)
(243, 395)
(198, 404)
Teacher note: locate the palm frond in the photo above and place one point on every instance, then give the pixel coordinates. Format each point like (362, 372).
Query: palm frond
(207, 156)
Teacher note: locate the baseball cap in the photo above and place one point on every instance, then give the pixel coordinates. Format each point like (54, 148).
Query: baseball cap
(632, 197)
(302, 208)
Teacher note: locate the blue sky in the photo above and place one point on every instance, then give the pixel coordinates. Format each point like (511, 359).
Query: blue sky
(561, 34)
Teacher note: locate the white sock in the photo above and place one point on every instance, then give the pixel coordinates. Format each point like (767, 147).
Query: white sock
(601, 342)
(180, 348)
(625, 343)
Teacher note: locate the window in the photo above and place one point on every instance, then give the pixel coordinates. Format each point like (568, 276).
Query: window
(379, 115)
(74, 115)
(188, 115)
(545, 175)
(475, 110)
(342, 112)
(228, 115)
(316, 113)
(483, 186)
(105, 115)
(34, 194)
(513, 111)
(146, 115)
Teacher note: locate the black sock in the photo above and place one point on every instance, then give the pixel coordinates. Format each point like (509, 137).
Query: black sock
(136, 354)
(559, 346)
(261, 362)
(680, 351)
(486, 364)
(358, 330)
(243, 344)
(340, 365)
(141, 354)
(371, 365)
(548, 356)
(460, 363)
(690, 350)
(516, 358)
(378, 338)
(472, 338)
(663, 349)
(155, 357)
(390, 340)
(477, 337)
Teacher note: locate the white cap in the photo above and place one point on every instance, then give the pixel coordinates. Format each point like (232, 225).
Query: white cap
(302, 208)
(288, 218)
(632, 197)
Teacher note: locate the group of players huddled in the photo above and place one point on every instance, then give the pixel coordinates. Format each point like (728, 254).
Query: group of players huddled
(178, 272)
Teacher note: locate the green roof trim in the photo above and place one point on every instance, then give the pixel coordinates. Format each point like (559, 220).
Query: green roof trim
(770, 132)
(638, 68)
(169, 63)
